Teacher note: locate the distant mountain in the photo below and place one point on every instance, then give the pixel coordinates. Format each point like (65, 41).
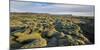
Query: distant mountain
(30, 13)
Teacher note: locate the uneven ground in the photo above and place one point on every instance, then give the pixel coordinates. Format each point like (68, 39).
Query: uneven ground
(28, 30)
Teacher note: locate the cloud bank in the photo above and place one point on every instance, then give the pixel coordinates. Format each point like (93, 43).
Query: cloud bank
(52, 8)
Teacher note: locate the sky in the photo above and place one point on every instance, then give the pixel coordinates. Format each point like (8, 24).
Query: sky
(52, 8)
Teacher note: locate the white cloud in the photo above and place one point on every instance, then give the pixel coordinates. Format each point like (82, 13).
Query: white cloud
(51, 8)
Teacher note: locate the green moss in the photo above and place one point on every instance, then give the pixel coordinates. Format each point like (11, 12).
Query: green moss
(37, 30)
(36, 43)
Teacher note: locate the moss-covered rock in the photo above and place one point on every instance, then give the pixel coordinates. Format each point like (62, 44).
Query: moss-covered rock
(33, 31)
(36, 43)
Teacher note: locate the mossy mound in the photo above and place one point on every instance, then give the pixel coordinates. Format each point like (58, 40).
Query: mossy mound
(46, 31)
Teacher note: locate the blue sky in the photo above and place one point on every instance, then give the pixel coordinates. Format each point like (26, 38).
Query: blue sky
(36, 7)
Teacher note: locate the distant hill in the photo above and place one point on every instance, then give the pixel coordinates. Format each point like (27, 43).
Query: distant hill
(44, 14)
(28, 13)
